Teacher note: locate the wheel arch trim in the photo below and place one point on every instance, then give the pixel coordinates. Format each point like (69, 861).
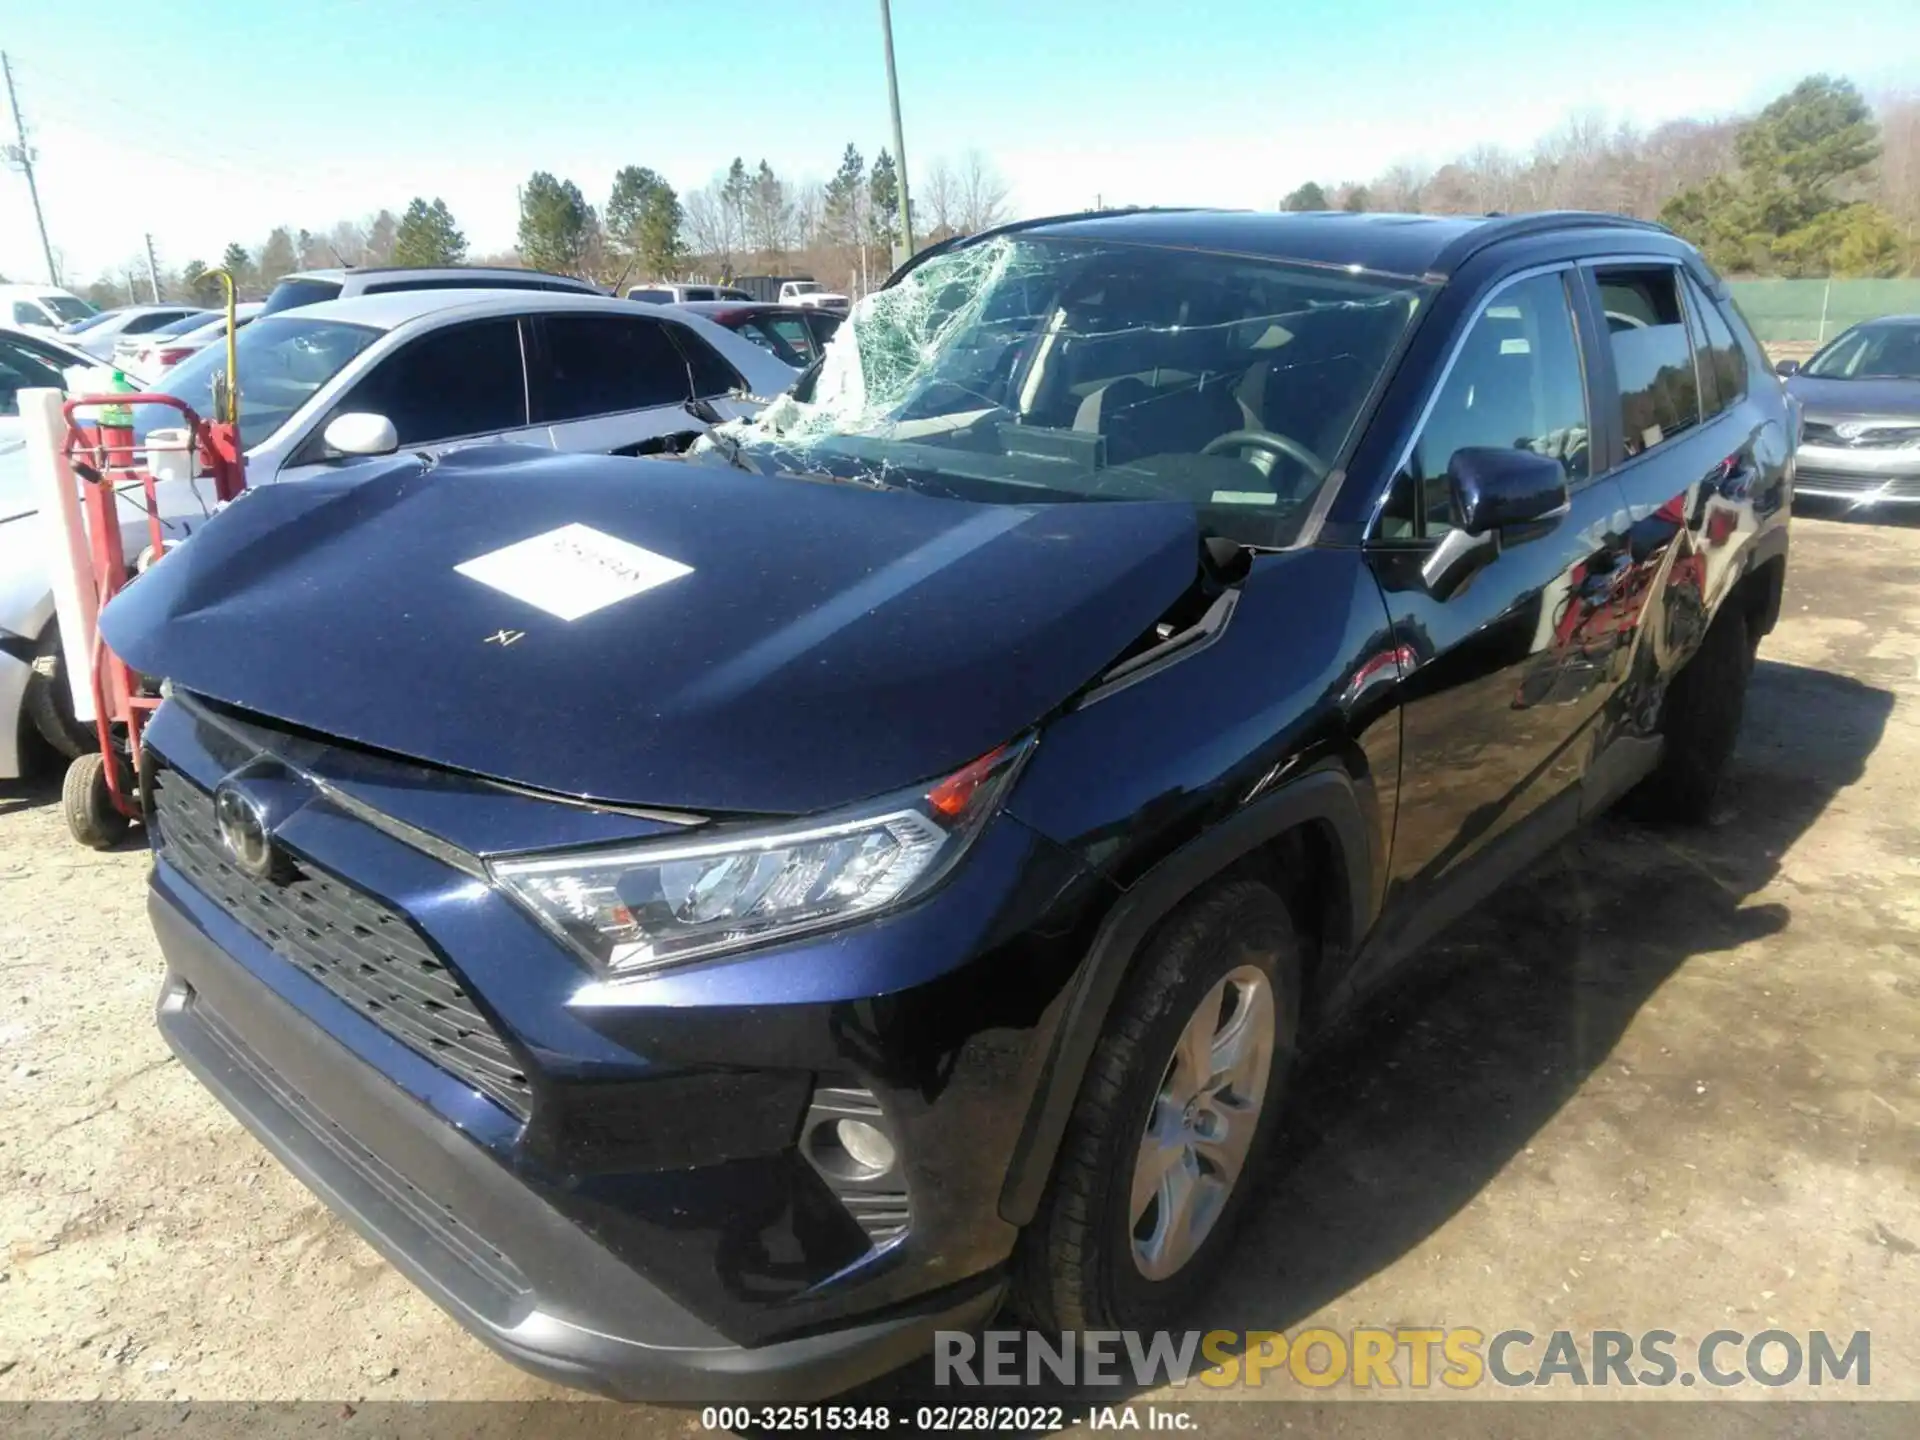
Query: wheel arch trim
(1325, 795)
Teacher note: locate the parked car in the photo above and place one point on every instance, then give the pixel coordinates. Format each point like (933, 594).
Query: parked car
(422, 371)
(1860, 425)
(310, 287)
(100, 338)
(714, 927)
(663, 292)
(568, 372)
(800, 290)
(41, 309)
(147, 356)
(789, 333)
(36, 711)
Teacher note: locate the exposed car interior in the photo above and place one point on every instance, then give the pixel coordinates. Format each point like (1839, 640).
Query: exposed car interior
(1123, 372)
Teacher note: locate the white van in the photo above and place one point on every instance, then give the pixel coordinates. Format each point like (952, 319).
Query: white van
(41, 309)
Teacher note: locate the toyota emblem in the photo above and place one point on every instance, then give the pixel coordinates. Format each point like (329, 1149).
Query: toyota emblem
(243, 832)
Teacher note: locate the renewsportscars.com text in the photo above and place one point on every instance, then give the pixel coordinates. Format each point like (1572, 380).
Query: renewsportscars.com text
(1380, 1358)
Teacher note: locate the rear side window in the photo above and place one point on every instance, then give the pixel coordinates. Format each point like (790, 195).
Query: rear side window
(605, 364)
(1652, 355)
(783, 335)
(22, 369)
(151, 320)
(651, 296)
(289, 294)
(27, 313)
(453, 282)
(1721, 363)
(457, 381)
(698, 292)
(823, 323)
(711, 374)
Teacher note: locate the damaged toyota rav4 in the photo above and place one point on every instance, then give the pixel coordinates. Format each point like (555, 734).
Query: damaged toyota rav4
(712, 923)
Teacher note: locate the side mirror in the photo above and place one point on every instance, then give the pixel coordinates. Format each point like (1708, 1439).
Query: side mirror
(361, 433)
(1784, 368)
(1500, 489)
(1501, 497)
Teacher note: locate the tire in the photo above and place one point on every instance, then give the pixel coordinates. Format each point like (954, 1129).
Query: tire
(1093, 1258)
(1700, 722)
(88, 805)
(49, 703)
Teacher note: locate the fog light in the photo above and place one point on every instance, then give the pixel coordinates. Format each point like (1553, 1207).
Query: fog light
(865, 1144)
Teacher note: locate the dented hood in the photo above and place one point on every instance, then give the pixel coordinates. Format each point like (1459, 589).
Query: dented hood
(673, 635)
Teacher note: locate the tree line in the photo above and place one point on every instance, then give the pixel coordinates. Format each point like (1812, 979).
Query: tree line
(843, 231)
(1818, 182)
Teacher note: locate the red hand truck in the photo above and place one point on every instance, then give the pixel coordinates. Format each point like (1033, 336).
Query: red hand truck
(100, 795)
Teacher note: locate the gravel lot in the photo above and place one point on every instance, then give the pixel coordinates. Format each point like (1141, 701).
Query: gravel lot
(1669, 1079)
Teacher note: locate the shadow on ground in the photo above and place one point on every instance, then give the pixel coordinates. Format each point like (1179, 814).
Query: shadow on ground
(1443, 1080)
(29, 793)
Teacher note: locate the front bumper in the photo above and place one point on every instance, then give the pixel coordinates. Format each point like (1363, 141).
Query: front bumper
(525, 1279)
(1864, 476)
(645, 1210)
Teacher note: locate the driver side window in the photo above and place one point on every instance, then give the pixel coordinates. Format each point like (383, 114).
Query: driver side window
(1516, 381)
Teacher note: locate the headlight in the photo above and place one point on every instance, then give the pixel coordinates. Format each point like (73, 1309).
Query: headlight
(662, 902)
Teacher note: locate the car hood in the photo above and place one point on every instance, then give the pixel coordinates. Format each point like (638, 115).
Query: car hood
(802, 644)
(1822, 399)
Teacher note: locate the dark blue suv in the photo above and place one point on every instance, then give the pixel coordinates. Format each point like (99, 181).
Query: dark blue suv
(713, 922)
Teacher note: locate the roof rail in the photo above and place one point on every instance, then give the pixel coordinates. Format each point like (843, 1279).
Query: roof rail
(1014, 227)
(1501, 227)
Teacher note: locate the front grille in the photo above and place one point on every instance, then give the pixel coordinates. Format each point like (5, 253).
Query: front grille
(1873, 437)
(1843, 482)
(363, 951)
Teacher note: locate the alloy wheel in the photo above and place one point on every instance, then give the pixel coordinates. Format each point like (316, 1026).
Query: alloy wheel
(1203, 1122)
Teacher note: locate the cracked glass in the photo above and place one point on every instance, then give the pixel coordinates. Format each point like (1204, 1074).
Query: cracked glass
(1030, 369)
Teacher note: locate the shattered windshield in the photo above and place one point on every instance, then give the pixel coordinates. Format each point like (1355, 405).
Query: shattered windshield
(1027, 368)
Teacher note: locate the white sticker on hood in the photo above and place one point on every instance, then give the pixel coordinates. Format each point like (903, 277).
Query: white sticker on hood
(573, 571)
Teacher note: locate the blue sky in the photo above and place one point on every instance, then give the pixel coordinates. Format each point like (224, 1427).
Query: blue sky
(332, 108)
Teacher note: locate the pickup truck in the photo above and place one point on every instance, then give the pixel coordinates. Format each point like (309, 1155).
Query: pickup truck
(801, 290)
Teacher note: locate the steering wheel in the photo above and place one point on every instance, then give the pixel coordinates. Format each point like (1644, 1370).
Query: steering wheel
(1280, 447)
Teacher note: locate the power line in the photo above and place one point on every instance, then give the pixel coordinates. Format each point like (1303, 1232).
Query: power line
(21, 154)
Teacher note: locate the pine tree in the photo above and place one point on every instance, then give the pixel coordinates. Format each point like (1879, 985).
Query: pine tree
(1306, 197)
(556, 225)
(426, 235)
(380, 236)
(643, 223)
(277, 256)
(883, 196)
(239, 265)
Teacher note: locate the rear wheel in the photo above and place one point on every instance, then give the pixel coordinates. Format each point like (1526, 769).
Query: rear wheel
(88, 803)
(1700, 722)
(1173, 1120)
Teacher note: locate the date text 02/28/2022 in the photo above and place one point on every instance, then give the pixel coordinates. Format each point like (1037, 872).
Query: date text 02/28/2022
(956, 1419)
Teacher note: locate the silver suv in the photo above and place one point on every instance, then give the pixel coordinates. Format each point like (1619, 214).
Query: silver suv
(310, 287)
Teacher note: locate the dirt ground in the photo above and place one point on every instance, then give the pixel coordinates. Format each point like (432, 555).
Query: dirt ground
(1668, 1080)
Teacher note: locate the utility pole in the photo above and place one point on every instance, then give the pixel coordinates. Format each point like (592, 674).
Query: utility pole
(21, 154)
(153, 271)
(899, 138)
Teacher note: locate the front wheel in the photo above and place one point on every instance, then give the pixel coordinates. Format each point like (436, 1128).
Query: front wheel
(1173, 1120)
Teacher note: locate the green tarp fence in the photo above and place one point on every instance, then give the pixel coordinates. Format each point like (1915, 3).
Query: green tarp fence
(1818, 310)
